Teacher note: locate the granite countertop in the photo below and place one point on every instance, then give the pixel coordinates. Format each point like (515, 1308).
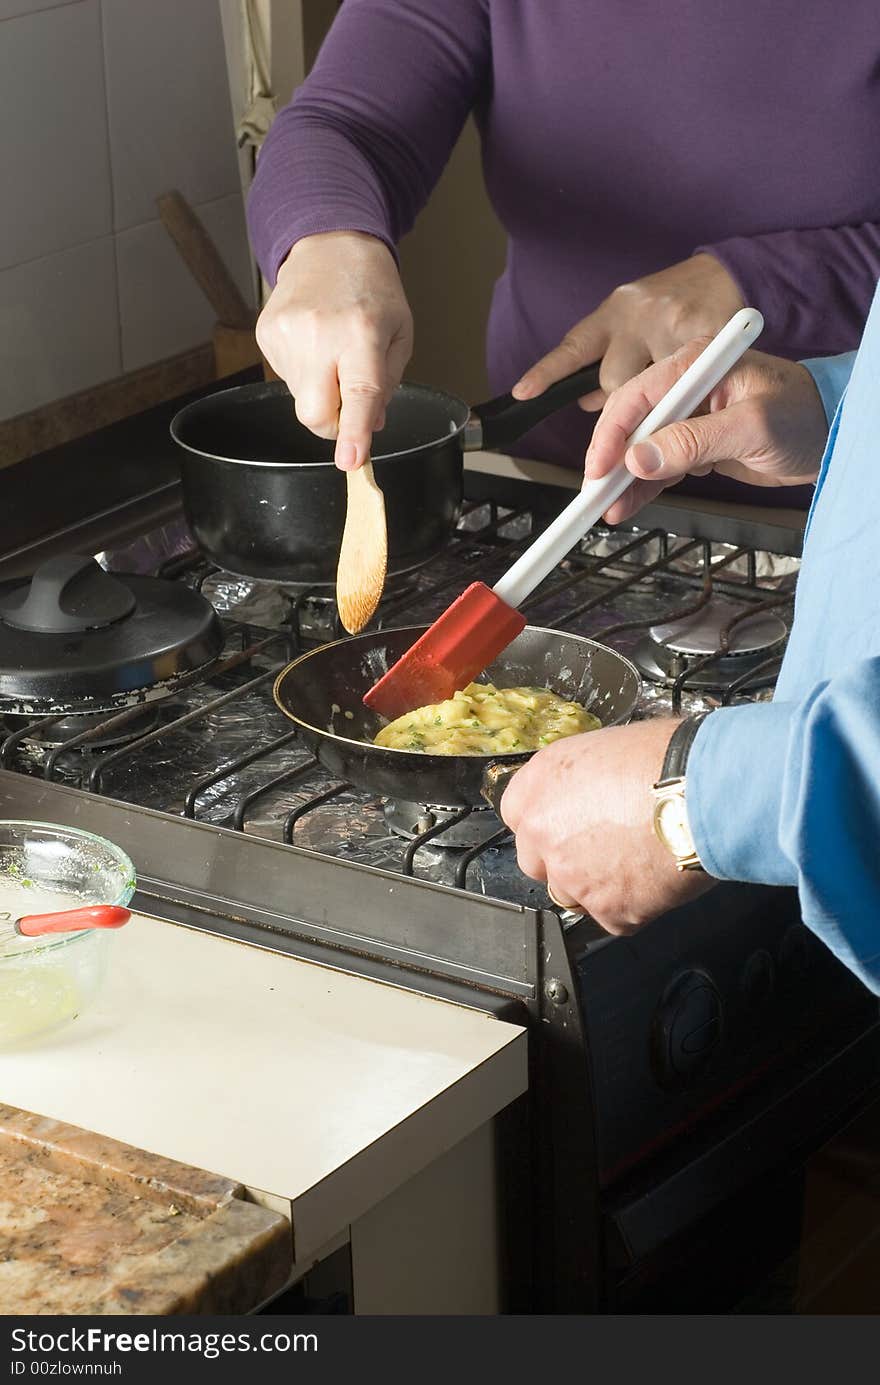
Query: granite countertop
(92, 1226)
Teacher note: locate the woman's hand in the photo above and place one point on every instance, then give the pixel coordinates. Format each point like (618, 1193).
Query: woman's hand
(764, 424)
(338, 330)
(639, 323)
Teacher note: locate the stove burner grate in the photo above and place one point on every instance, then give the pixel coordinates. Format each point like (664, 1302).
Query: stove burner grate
(714, 646)
(219, 752)
(53, 732)
(440, 825)
(719, 625)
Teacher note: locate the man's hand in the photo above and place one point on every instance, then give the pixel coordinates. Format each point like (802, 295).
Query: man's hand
(639, 323)
(764, 424)
(582, 813)
(338, 330)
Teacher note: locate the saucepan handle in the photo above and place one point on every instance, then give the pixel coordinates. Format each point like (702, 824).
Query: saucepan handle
(502, 420)
(496, 777)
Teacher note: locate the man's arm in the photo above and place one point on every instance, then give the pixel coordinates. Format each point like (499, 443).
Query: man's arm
(804, 779)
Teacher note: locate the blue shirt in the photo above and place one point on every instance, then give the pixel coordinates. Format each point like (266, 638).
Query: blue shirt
(788, 792)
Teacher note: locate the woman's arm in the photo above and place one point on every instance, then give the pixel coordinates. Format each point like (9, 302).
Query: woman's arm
(344, 172)
(813, 286)
(367, 135)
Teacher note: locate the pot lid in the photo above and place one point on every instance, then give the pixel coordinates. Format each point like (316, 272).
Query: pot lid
(77, 638)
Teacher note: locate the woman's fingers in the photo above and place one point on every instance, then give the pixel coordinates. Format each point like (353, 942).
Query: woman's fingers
(585, 343)
(627, 354)
(593, 402)
(399, 351)
(315, 398)
(639, 322)
(362, 392)
(368, 378)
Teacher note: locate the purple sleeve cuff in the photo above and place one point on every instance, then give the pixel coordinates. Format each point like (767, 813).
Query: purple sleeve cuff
(308, 187)
(814, 287)
(274, 253)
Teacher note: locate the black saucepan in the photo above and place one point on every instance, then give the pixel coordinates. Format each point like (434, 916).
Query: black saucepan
(321, 692)
(263, 497)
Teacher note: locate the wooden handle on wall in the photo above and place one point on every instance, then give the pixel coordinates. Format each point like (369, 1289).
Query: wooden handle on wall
(203, 260)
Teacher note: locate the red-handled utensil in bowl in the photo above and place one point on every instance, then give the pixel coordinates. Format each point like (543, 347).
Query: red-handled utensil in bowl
(66, 920)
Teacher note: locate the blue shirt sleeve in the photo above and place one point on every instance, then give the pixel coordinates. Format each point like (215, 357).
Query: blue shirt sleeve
(805, 781)
(831, 374)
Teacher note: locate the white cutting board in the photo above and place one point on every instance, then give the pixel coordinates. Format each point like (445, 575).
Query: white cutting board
(320, 1092)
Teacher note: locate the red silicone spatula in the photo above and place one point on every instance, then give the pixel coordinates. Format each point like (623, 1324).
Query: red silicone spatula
(482, 621)
(66, 920)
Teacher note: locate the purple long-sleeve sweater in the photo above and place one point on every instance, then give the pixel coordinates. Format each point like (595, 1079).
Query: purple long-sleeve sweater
(619, 136)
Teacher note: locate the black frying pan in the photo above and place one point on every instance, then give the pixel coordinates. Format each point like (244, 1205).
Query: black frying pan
(263, 497)
(337, 676)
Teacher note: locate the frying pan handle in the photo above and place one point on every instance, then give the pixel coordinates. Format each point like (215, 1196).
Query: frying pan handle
(496, 778)
(502, 420)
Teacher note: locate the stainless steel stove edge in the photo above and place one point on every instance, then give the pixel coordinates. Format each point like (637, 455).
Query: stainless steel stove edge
(190, 871)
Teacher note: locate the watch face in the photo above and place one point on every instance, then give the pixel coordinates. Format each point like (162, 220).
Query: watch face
(672, 826)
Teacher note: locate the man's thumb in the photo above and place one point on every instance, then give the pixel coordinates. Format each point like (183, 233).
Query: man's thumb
(678, 449)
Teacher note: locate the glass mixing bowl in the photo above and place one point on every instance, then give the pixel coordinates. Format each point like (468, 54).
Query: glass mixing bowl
(45, 982)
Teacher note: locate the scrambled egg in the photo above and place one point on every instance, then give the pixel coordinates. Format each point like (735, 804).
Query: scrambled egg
(485, 720)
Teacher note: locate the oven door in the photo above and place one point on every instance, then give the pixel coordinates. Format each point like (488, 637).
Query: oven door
(779, 1215)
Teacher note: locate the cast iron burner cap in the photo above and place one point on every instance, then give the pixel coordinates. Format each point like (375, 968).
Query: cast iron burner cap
(669, 650)
(412, 819)
(77, 639)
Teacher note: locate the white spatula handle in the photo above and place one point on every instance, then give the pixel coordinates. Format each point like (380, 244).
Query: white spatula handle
(710, 367)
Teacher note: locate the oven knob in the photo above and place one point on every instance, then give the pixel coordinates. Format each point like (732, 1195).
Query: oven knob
(687, 1028)
(758, 980)
(795, 954)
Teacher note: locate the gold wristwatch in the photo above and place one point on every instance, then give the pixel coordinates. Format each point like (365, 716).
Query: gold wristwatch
(670, 812)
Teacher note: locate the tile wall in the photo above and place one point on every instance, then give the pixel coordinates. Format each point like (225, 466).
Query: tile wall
(105, 104)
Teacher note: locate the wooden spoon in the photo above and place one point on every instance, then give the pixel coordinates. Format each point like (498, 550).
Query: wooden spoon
(363, 556)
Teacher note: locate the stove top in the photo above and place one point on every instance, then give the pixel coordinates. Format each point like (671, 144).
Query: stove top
(704, 620)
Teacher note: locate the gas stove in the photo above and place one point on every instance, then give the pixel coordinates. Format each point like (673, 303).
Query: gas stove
(678, 1074)
(700, 623)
